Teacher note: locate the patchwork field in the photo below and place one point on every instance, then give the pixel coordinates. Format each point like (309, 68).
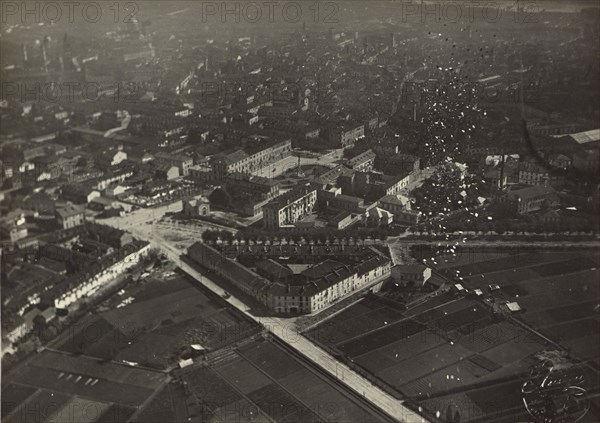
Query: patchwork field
(58, 387)
(161, 319)
(262, 381)
(108, 365)
(559, 293)
(457, 353)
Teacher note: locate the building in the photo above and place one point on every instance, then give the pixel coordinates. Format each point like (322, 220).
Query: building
(167, 172)
(241, 162)
(587, 161)
(344, 219)
(112, 158)
(530, 199)
(400, 207)
(373, 185)
(344, 202)
(273, 270)
(559, 161)
(411, 273)
(364, 162)
(183, 163)
(115, 238)
(12, 226)
(195, 207)
(39, 202)
(289, 208)
(309, 291)
(531, 173)
(587, 139)
(346, 135)
(79, 193)
(376, 216)
(250, 193)
(70, 216)
(115, 176)
(394, 163)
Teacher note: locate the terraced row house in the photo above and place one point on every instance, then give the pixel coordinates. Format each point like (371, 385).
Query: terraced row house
(242, 162)
(309, 291)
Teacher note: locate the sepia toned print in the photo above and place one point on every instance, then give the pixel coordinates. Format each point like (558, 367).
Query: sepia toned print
(300, 211)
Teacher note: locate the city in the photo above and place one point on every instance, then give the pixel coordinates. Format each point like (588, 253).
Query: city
(289, 212)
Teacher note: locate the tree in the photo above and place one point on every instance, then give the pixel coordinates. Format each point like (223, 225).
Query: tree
(220, 197)
(500, 228)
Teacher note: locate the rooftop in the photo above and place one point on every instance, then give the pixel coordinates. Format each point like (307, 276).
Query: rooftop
(532, 192)
(290, 196)
(587, 136)
(69, 210)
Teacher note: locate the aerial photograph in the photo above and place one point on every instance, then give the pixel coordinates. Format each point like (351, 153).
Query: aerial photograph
(311, 211)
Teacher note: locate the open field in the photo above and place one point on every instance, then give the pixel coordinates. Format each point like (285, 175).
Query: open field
(47, 405)
(441, 353)
(262, 380)
(359, 319)
(169, 405)
(79, 383)
(558, 292)
(41, 406)
(159, 319)
(105, 366)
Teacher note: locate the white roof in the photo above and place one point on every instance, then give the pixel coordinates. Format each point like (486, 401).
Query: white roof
(587, 136)
(197, 347)
(185, 363)
(489, 78)
(514, 306)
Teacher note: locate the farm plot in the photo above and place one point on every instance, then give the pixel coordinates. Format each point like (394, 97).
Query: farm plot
(269, 359)
(13, 395)
(42, 406)
(423, 364)
(281, 406)
(75, 384)
(210, 388)
(504, 277)
(153, 332)
(81, 410)
(96, 337)
(263, 377)
(564, 266)
(499, 397)
(380, 338)
(168, 405)
(360, 318)
(243, 375)
(116, 413)
(398, 351)
(516, 260)
(494, 335)
(93, 368)
(468, 316)
(456, 376)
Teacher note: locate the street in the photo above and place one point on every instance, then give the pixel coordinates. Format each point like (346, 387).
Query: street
(284, 329)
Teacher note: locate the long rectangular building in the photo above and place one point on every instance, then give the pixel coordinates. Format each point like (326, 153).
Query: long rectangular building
(242, 162)
(310, 291)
